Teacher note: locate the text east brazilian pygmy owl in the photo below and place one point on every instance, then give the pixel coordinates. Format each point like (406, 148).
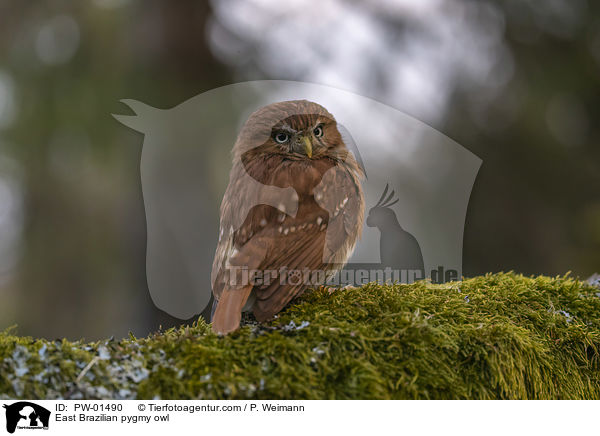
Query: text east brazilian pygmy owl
(291, 214)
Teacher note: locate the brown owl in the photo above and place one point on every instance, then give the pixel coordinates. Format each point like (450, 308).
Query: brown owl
(291, 214)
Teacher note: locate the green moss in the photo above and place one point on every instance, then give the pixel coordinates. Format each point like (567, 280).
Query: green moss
(496, 336)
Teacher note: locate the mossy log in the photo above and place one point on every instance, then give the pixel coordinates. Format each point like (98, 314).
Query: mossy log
(499, 336)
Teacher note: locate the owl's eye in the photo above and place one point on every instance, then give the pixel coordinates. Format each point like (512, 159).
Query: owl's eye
(281, 137)
(318, 132)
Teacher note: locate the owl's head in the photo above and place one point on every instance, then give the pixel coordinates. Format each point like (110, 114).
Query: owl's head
(298, 129)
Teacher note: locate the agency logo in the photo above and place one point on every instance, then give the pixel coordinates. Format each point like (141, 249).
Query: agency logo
(27, 416)
(315, 185)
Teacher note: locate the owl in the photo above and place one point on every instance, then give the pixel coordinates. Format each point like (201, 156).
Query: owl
(291, 214)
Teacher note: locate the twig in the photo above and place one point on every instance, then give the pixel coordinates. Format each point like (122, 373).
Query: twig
(86, 369)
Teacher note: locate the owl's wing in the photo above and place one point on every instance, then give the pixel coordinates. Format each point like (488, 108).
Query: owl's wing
(322, 245)
(237, 224)
(292, 257)
(272, 249)
(240, 250)
(340, 194)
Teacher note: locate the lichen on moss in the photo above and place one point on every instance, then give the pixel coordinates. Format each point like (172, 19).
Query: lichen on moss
(491, 337)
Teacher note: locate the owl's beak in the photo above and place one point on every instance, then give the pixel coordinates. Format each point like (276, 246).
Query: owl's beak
(307, 146)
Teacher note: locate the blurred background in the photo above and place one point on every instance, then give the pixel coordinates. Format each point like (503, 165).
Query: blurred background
(515, 82)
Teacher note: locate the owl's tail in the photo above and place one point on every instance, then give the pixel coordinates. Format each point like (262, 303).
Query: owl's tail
(228, 313)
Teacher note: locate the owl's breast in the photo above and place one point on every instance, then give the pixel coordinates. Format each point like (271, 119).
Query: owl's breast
(301, 174)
